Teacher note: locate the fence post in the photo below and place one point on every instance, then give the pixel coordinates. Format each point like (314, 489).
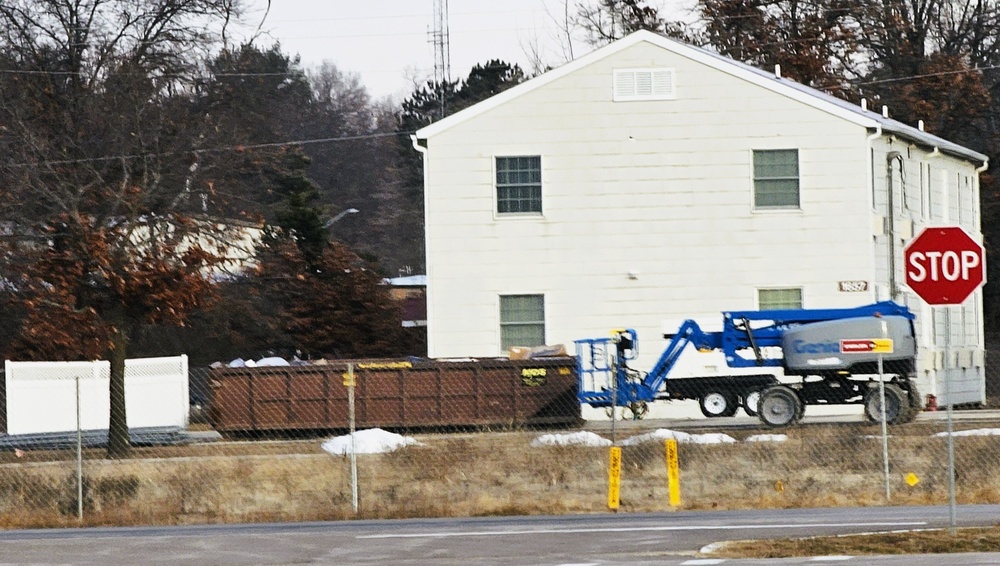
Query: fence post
(354, 444)
(79, 455)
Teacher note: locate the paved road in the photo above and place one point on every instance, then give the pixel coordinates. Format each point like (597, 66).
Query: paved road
(595, 540)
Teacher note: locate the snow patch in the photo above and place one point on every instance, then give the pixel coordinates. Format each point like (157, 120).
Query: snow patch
(975, 432)
(767, 438)
(662, 434)
(582, 438)
(370, 441)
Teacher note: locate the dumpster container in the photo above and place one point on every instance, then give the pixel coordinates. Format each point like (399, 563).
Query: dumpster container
(400, 394)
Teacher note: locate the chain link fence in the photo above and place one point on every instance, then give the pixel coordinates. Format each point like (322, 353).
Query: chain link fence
(458, 438)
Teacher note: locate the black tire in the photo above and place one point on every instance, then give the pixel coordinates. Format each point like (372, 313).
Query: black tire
(802, 410)
(913, 396)
(897, 404)
(718, 404)
(779, 406)
(750, 403)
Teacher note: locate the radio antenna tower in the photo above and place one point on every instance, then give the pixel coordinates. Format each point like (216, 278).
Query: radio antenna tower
(442, 49)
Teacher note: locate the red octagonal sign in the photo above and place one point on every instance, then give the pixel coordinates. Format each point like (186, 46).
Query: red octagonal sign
(944, 265)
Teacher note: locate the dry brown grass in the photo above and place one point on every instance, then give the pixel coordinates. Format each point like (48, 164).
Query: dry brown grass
(913, 542)
(473, 474)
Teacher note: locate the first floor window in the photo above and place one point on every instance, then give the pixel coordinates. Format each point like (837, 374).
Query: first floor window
(522, 321)
(519, 184)
(770, 299)
(776, 178)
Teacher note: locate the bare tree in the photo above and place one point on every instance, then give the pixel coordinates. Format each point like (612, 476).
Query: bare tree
(813, 42)
(604, 21)
(107, 168)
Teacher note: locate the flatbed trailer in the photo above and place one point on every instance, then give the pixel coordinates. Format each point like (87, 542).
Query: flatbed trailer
(719, 395)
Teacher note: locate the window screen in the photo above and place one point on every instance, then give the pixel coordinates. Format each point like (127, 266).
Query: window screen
(522, 320)
(519, 184)
(776, 178)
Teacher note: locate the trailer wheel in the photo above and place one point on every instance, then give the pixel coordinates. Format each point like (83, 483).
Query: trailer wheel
(779, 406)
(915, 407)
(718, 404)
(751, 401)
(897, 404)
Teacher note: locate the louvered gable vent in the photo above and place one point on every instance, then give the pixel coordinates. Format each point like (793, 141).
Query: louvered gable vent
(644, 84)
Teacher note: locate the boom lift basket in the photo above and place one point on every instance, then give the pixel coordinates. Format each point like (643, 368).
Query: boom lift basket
(605, 379)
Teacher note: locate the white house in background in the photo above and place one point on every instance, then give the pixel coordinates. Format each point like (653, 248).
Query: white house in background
(234, 241)
(652, 181)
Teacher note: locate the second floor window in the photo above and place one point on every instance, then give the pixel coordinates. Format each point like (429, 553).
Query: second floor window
(776, 178)
(519, 184)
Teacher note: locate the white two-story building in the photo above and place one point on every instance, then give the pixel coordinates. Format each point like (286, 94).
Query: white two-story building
(651, 181)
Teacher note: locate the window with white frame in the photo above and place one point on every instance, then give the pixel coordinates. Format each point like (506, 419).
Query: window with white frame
(776, 178)
(904, 195)
(519, 184)
(643, 84)
(522, 321)
(957, 207)
(783, 298)
(925, 190)
(872, 174)
(966, 196)
(947, 197)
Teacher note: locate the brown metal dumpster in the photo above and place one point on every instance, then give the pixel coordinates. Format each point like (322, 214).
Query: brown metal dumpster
(396, 394)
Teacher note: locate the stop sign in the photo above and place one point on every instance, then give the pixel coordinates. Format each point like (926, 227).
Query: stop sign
(944, 265)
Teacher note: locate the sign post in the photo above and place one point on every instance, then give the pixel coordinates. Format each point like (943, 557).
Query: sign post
(880, 346)
(881, 393)
(350, 383)
(944, 265)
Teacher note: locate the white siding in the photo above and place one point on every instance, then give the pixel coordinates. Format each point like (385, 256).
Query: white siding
(951, 193)
(662, 190)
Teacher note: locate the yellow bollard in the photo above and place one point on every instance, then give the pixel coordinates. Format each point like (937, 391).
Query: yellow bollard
(673, 473)
(614, 477)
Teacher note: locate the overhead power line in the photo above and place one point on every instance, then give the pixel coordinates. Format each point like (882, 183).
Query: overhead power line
(218, 149)
(217, 75)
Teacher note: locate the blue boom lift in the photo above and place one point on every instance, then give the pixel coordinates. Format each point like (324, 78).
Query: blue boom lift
(828, 356)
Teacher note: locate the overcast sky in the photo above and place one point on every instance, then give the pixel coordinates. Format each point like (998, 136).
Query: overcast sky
(388, 42)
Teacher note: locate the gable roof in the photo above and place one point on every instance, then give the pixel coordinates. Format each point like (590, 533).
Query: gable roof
(796, 91)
